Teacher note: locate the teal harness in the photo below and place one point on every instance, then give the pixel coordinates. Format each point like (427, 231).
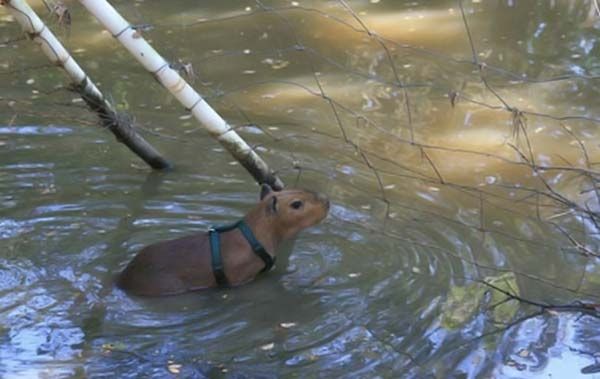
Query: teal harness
(215, 250)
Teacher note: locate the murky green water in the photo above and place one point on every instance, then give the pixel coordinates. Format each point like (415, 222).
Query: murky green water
(429, 199)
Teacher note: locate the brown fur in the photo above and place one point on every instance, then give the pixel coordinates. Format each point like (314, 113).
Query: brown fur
(184, 264)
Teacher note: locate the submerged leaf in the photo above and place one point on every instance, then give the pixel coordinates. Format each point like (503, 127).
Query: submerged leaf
(465, 302)
(113, 346)
(461, 305)
(504, 311)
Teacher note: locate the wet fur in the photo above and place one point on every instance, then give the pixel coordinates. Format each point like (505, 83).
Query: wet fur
(184, 264)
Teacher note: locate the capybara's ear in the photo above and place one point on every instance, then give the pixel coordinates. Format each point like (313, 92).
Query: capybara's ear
(265, 189)
(273, 205)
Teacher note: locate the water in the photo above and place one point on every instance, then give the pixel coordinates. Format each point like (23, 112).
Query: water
(387, 285)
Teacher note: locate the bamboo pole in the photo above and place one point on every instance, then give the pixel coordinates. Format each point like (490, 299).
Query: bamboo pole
(57, 54)
(218, 128)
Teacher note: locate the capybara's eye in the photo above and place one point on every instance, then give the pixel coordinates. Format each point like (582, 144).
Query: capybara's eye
(296, 204)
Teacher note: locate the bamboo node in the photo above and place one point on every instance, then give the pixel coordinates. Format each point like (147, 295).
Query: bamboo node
(179, 85)
(63, 62)
(36, 33)
(160, 68)
(119, 34)
(195, 103)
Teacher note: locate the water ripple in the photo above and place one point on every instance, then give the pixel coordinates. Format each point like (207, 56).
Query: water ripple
(35, 130)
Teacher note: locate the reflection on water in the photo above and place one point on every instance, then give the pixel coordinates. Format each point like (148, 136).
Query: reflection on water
(426, 203)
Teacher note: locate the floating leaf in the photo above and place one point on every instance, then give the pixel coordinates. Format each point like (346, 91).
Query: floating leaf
(174, 368)
(267, 347)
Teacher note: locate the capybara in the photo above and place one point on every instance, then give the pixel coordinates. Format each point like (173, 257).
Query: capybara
(228, 256)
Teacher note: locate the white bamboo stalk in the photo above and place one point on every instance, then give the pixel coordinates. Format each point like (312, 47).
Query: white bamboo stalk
(57, 54)
(187, 96)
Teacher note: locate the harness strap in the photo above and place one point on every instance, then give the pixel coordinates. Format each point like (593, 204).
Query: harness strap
(216, 259)
(215, 250)
(256, 246)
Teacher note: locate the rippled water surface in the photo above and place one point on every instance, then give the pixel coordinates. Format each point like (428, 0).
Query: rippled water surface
(429, 199)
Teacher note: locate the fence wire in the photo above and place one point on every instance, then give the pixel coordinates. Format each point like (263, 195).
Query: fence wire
(401, 129)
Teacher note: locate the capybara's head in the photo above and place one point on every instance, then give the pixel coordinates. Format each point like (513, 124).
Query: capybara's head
(292, 210)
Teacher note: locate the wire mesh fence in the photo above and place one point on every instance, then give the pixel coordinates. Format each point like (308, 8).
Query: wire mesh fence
(441, 129)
